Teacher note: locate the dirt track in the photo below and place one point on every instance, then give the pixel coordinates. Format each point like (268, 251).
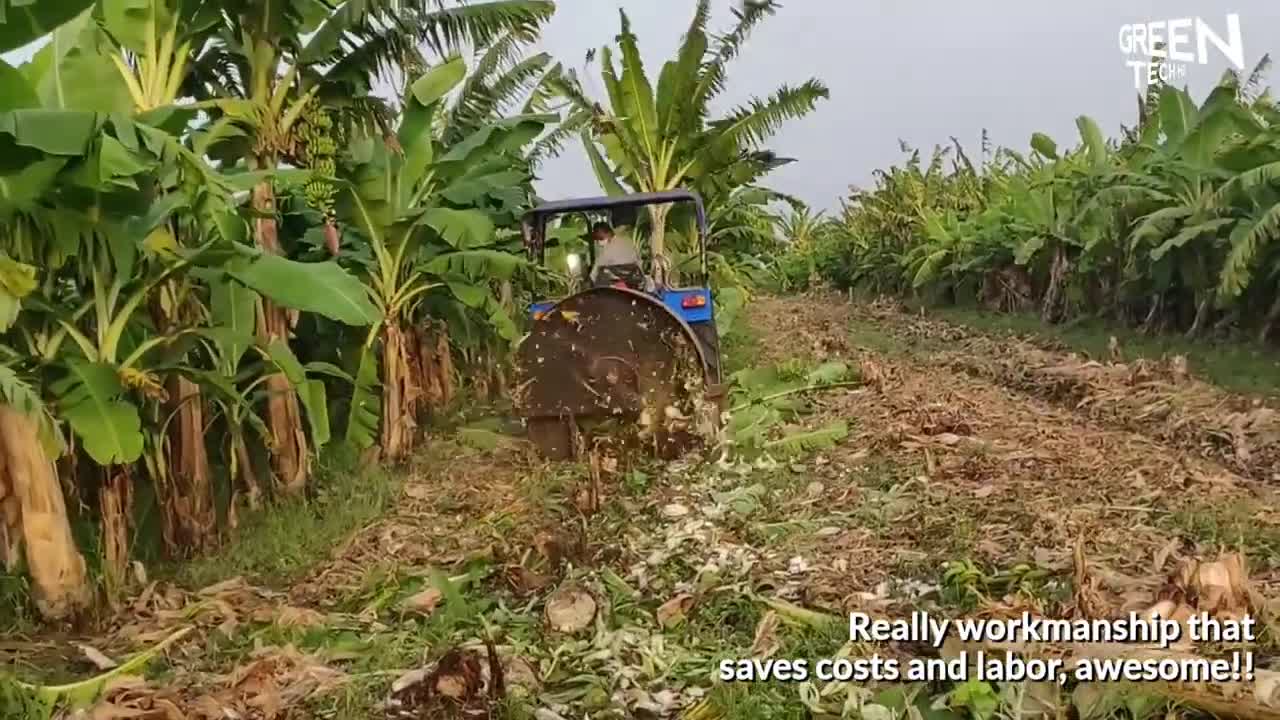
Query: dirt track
(1007, 453)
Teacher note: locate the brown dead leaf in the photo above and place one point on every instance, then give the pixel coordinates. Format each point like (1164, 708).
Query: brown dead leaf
(132, 697)
(419, 492)
(672, 612)
(525, 581)
(1042, 700)
(111, 711)
(1091, 600)
(425, 602)
(990, 548)
(766, 641)
(97, 657)
(290, 616)
(460, 684)
(207, 707)
(264, 696)
(1166, 552)
(1220, 587)
(276, 680)
(230, 585)
(520, 674)
(570, 610)
(872, 373)
(1266, 688)
(984, 492)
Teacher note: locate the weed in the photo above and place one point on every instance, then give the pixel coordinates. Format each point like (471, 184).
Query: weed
(637, 482)
(1230, 526)
(740, 348)
(16, 609)
(287, 537)
(879, 339)
(725, 619)
(757, 701)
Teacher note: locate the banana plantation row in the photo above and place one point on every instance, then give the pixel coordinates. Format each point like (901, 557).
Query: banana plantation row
(223, 248)
(1174, 226)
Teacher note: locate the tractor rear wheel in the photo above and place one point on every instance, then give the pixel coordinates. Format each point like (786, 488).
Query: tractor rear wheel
(617, 356)
(553, 436)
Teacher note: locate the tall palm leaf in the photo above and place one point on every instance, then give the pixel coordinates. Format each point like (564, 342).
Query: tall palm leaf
(651, 139)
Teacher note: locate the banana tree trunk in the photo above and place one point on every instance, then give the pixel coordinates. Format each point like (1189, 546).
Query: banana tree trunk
(1202, 316)
(182, 479)
(1153, 314)
(35, 525)
(115, 504)
(289, 457)
(190, 513)
(244, 470)
(500, 353)
(444, 366)
(663, 273)
(1051, 309)
(399, 394)
(1273, 315)
(436, 357)
(500, 386)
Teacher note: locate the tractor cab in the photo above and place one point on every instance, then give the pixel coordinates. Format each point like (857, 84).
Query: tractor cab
(622, 214)
(622, 343)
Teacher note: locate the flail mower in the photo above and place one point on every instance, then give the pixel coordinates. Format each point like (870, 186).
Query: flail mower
(622, 350)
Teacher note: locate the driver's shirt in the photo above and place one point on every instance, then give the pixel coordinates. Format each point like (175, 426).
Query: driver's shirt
(618, 250)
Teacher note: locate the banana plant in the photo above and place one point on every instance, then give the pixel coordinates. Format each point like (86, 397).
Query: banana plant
(93, 275)
(289, 80)
(426, 210)
(154, 42)
(1175, 224)
(1183, 237)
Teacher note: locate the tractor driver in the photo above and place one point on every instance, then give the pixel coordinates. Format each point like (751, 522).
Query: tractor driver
(612, 251)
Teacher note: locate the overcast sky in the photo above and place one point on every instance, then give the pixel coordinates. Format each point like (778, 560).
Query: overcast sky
(916, 70)
(919, 70)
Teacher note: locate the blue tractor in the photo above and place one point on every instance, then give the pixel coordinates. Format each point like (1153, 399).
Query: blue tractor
(623, 346)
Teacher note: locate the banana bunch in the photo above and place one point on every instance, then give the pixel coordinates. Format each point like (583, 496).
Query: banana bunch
(317, 148)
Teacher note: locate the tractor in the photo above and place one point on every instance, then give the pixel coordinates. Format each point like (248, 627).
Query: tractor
(622, 349)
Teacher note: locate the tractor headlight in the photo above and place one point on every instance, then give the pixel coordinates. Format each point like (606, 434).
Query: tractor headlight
(574, 262)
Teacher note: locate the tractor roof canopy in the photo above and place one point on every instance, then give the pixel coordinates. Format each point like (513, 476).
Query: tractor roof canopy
(535, 220)
(561, 207)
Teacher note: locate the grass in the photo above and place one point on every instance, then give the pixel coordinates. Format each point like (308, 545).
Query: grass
(1238, 366)
(273, 547)
(1229, 527)
(877, 338)
(282, 541)
(740, 348)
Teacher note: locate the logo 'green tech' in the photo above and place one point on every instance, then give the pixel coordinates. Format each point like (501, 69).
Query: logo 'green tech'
(1162, 49)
